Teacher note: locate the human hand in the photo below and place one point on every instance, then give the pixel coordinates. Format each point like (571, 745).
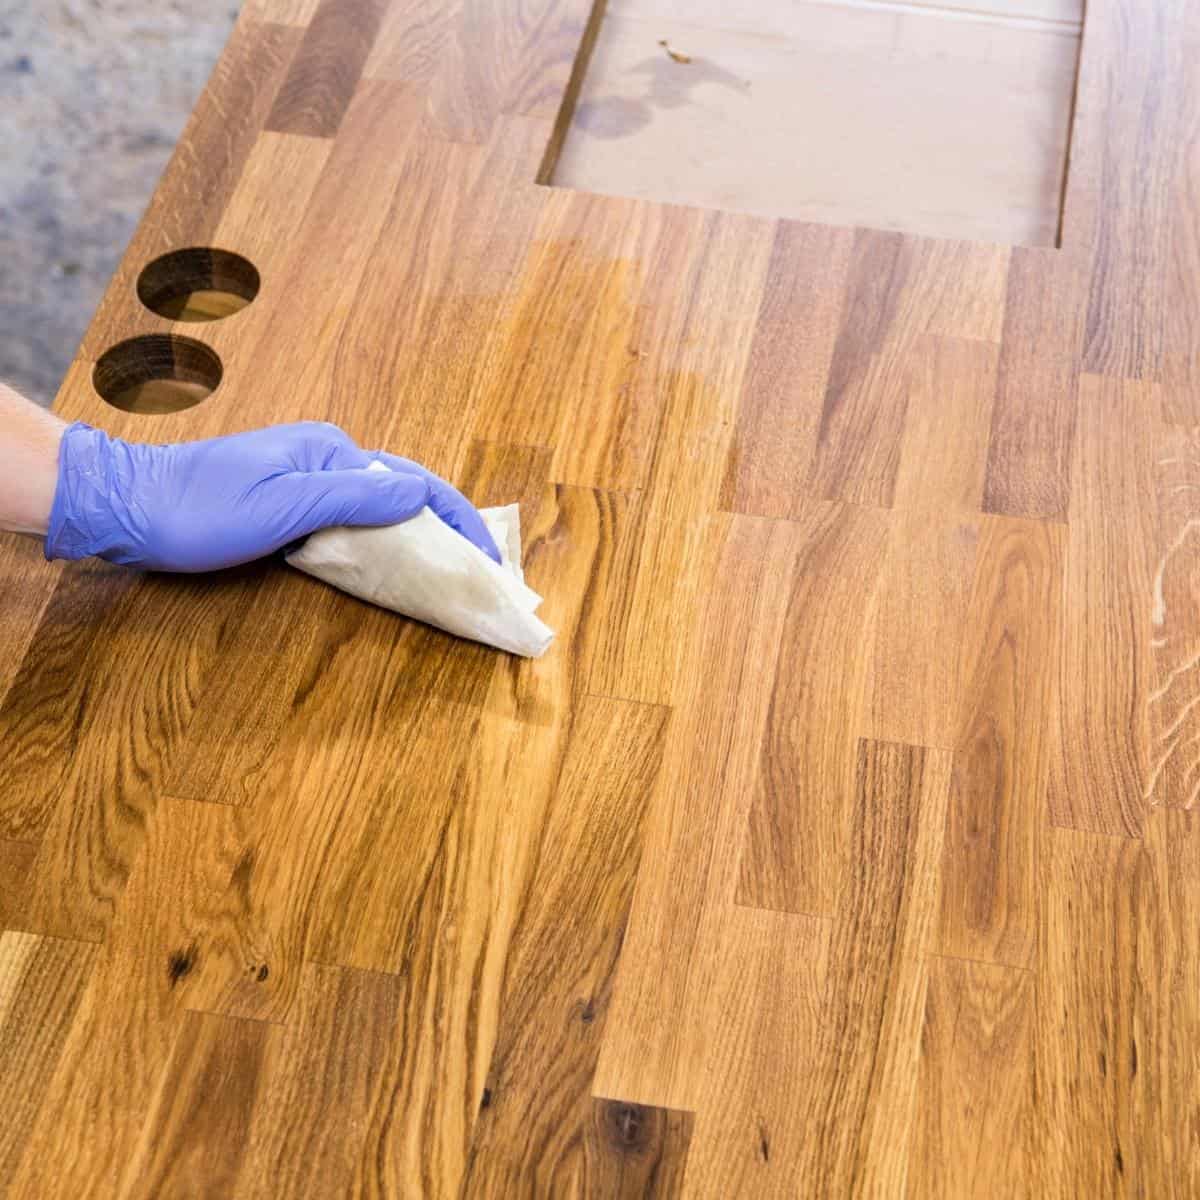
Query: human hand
(202, 506)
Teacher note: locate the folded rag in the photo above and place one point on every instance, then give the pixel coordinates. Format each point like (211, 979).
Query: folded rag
(423, 569)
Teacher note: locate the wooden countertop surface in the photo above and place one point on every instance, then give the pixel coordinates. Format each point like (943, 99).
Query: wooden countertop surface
(844, 843)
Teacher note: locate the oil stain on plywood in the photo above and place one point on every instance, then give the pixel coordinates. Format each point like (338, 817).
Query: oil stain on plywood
(947, 120)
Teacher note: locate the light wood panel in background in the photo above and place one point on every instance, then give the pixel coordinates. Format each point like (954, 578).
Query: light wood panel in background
(845, 842)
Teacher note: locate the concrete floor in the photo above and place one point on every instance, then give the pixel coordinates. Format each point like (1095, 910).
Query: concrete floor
(93, 94)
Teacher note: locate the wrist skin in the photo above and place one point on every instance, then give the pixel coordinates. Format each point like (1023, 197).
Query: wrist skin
(30, 439)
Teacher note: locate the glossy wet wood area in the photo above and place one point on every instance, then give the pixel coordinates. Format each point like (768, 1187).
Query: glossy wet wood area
(845, 843)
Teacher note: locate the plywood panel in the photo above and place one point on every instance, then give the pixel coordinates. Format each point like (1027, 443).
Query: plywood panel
(849, 112)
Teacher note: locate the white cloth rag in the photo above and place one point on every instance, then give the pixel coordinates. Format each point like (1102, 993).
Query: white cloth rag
(423, 569)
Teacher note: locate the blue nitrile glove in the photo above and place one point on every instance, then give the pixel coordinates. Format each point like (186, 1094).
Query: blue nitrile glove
(201, 506)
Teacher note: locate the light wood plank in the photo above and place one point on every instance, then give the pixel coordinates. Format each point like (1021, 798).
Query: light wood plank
(975, 1092)
(861, 1100)
(1099, 737)
(997, 806)
(798, 836)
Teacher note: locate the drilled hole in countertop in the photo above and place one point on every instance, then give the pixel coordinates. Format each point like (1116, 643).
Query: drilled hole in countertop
(198, 284)
(158, 373)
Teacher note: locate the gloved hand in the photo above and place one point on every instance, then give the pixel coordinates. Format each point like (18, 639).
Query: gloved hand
(201, 506)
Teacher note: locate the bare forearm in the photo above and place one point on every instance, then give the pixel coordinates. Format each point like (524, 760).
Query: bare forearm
(29, 439)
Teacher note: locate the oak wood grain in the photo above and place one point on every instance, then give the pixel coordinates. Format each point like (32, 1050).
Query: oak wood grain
(798, 325)
(798, 834)
(1105, 1044)
(1100, 738)
(207, 1094)
(529, 1136)
(861, 1100)
(997, 811)
(975, 1092)
(672, 950)
(764, 1012)
(41, 981)
(328, 63)
(131, 1008)
(301, 898)
(16, 863)
(323, 1075)
(913, 682)
(1033, 419)
(1171, 700)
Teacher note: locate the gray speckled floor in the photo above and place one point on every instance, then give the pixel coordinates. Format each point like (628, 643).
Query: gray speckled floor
(93, 94)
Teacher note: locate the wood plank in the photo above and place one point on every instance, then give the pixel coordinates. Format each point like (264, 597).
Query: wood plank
(321, 79)
(653, 1046)
(413, 39)
(898, 290)
(764, 1014)
(281, 12)
(943, 456)
(1099, 739)
(48, 702)
(860, 1102)
(975, 1091)
(661, 557)
(1111, 1062)
(1126, 155)
(1168, 1025)
(130, 1011)
(1173, 619)
(154, 649)
(782, 397)
(41, 981)
(1181, 331)
(485, 865)
(798, 834)
(27, 583)
(530, 1131)
(913, 683)
(306, 1136)
(1033, 419)
(993, 830)
(16, 866)
(207, 1096)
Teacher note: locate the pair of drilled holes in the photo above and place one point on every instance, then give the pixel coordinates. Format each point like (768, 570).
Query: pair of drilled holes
(163, 372)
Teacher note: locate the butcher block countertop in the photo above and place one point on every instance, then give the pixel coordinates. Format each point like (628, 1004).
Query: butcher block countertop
(844, 843)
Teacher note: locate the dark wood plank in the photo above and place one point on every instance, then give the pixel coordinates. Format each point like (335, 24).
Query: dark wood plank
(635, 1150)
